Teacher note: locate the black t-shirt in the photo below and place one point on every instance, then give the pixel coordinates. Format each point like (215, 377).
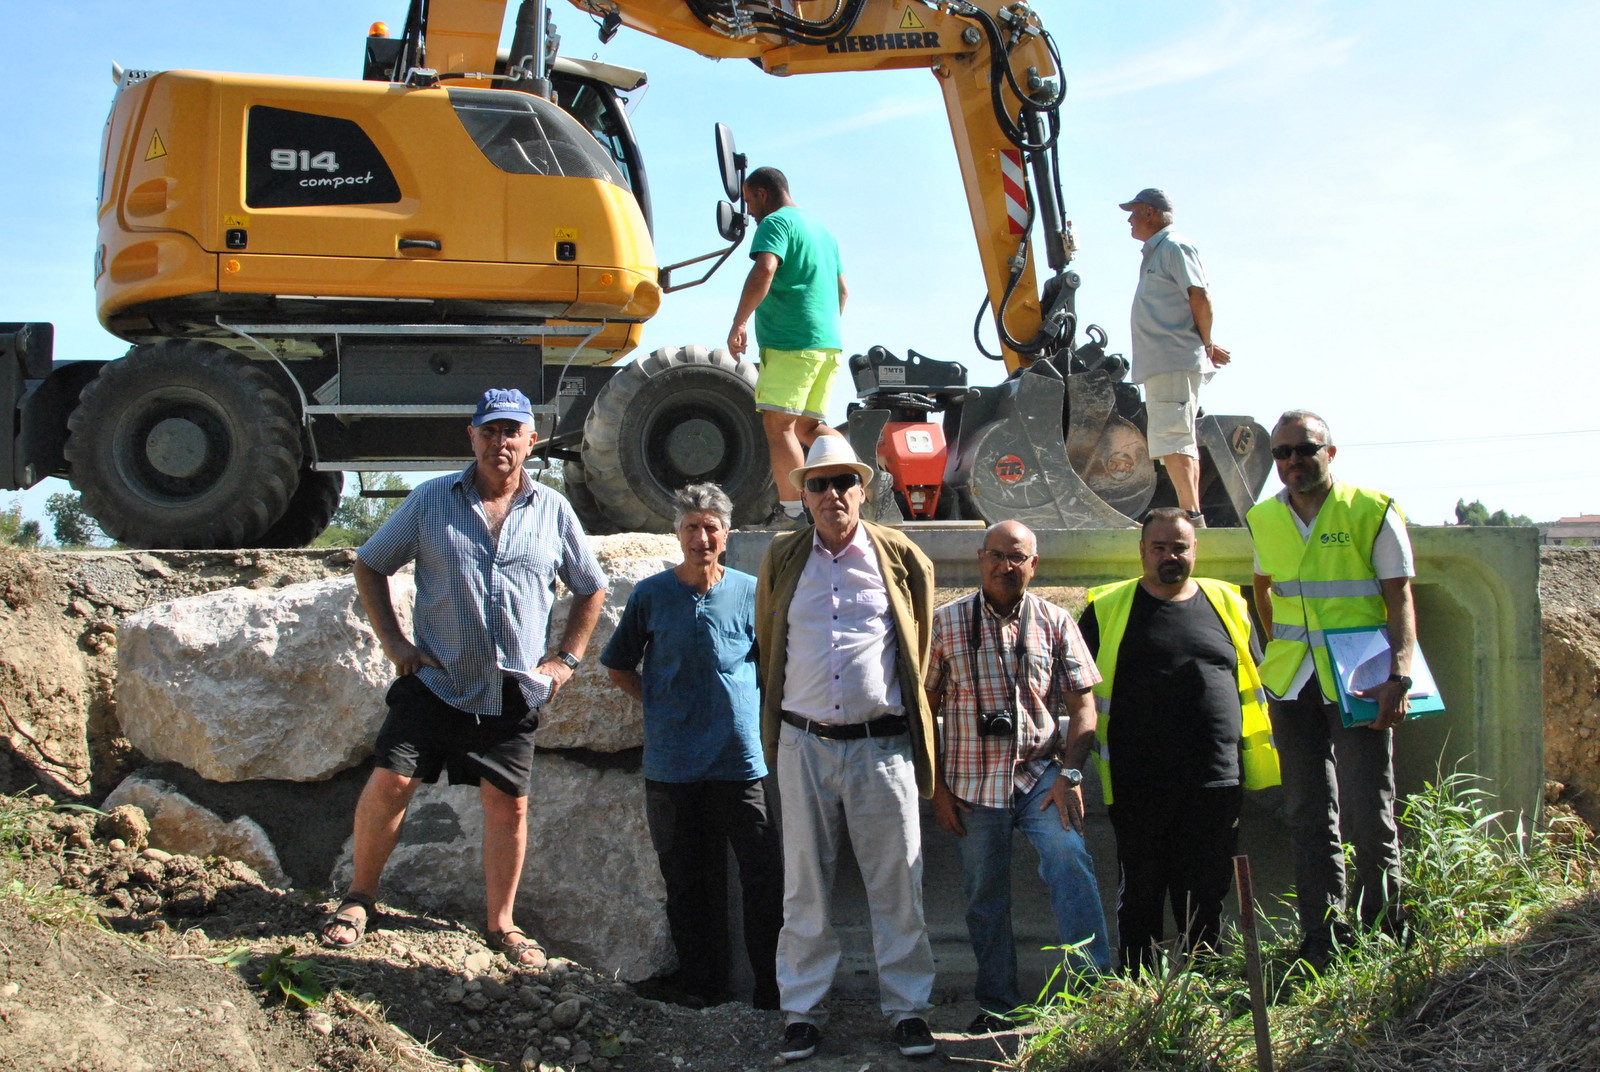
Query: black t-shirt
(1175, 701)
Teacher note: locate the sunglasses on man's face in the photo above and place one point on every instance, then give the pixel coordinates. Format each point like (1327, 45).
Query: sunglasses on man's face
(840, 482)
(1304, 450)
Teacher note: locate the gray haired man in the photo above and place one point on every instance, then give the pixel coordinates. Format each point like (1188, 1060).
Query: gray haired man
(686, 649)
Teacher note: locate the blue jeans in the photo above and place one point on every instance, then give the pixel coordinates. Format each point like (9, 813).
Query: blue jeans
(1067, 871)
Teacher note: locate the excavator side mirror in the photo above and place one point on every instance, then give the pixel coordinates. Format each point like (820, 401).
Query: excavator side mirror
(731, 164)
(730, 222)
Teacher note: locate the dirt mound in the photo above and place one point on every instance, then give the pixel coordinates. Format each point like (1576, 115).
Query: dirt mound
(163, 971)
(1569, 592)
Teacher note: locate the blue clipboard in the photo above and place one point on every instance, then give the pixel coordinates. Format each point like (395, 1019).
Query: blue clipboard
(1349, 650)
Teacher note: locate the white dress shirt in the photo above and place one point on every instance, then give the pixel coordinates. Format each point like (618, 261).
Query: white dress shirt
(840, 662)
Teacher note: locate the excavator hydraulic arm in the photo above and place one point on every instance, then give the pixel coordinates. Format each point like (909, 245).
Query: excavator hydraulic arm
(1000, 76)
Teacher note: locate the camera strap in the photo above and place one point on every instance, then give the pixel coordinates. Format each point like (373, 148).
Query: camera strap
(975, 641)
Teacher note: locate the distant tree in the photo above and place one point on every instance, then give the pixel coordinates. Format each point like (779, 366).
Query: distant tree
(553, 475)
(17, 530)
(1475, 513)
(359, 516)
(74, 528)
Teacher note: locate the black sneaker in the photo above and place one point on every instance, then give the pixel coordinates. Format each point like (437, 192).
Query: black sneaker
(799, 1041)
(913, 1037)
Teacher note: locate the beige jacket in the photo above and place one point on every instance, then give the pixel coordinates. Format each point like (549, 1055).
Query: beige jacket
(908, 577)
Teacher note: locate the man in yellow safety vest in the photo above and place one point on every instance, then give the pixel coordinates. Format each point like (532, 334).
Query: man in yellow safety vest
(1183, 732)
(1332, 556)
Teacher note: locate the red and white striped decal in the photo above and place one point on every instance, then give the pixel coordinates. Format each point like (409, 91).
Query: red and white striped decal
(1012, 177)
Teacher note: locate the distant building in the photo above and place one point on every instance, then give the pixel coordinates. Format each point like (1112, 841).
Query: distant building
(1580, 531)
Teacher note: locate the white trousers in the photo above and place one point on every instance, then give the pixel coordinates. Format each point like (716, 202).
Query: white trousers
(868, 790)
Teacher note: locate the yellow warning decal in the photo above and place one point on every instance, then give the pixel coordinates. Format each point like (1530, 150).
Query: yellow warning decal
(909, 20)
(157, 146)
(566, 234)
(236, 221)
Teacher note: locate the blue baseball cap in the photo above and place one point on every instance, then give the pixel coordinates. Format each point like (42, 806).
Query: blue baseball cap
(503, 404)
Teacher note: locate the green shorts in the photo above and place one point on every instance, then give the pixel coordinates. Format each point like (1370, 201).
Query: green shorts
(796, 381)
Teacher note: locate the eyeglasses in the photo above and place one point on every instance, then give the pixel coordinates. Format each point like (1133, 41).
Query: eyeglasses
(840, 482)
(1304, 450)
(492, 431)
(1012, 558)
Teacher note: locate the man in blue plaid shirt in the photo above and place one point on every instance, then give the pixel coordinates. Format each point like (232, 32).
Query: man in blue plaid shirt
(489, 544)
(1010, 677)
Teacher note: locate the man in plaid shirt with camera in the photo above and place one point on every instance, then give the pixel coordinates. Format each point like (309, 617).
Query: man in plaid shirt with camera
(1010, 675)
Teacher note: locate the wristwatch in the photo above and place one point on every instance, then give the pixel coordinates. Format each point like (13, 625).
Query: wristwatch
(570, 659)
(1073, 776)
(1402, 679)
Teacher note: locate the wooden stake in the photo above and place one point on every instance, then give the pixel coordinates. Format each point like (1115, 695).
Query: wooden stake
(1252, 963)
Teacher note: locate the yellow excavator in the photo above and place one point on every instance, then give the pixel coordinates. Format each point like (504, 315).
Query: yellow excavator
(321, 276)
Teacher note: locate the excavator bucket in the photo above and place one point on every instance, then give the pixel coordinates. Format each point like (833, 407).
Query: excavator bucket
(1011, 462)
(1051, 452)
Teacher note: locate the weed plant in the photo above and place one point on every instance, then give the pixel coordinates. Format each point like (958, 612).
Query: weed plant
(37, 899)
(1474, 883)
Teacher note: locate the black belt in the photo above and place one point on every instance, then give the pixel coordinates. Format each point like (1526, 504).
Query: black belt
(887, 726)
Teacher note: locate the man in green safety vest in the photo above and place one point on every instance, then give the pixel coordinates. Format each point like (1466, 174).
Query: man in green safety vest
(1183, 732)
(1333, 556)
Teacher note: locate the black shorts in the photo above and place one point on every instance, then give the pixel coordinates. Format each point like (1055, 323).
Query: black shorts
(423, 736)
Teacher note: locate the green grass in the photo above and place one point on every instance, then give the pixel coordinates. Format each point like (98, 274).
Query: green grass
(1472, 887)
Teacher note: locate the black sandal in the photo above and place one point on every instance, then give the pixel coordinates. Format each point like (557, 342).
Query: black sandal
(516, 946)
(343, 917)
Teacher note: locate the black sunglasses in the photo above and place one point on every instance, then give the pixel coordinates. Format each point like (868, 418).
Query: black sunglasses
(840, 482)
(1305, 450)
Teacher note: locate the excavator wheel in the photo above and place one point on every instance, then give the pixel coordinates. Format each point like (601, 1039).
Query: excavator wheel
(576, 483)
(183, 444)
(681, 416)
(310, 510)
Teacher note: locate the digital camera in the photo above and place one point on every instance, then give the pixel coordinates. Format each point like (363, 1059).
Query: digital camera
(996, 724)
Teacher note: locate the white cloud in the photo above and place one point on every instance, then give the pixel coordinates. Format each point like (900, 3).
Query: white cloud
(886, 111)
(1290, 42)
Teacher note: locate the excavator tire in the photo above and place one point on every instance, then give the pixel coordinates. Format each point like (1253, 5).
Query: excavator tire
(183, 444)
(310, 510)
(680, 416)
(575, 481)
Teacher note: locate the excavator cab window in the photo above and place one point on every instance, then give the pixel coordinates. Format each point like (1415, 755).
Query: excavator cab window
(596, 105)
(528, 135)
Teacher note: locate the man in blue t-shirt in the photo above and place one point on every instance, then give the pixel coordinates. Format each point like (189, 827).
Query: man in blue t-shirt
(693, 629)
(796, 292)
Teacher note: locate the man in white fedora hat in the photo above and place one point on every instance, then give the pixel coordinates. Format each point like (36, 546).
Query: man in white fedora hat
(843, 610)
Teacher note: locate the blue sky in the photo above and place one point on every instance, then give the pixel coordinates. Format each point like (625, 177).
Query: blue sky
(1390, 199)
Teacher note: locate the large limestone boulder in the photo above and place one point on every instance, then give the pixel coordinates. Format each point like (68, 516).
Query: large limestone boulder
(242, 684)
(590, 889)
(179, 825)
(589, 711)
(288, 683)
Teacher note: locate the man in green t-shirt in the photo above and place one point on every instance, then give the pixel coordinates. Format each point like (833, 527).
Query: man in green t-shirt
(796, 292)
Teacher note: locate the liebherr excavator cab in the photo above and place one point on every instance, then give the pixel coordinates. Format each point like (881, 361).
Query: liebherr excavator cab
(324, 275)
(250, 199)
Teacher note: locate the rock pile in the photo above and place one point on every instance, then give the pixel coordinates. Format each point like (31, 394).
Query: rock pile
(267, 688)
